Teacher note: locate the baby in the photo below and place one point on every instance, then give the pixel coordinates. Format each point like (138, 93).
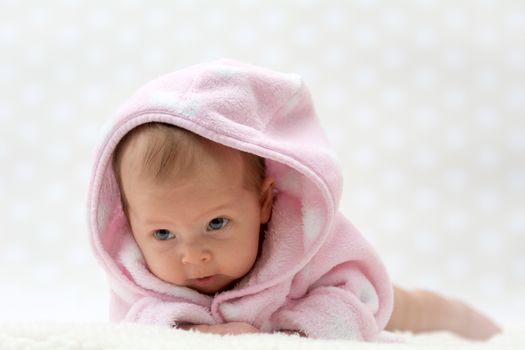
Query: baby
(213, 207)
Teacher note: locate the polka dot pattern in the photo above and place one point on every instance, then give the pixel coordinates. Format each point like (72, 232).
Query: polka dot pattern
(423, 103)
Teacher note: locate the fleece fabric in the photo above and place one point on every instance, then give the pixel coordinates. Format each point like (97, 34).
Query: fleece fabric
(316, 273)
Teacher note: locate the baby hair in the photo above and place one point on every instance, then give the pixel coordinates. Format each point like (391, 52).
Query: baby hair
(170, 151)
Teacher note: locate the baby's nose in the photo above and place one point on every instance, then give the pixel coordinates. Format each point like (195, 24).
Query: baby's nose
(194, 254)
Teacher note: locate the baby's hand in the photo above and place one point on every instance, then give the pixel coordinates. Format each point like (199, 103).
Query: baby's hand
(225, 328)
(471, 323)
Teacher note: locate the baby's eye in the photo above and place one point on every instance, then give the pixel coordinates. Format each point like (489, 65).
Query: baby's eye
(163, 234)
(217, 224)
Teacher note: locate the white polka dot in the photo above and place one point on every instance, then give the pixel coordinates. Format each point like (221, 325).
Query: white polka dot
(29, 132)
(426, 4)
(55, 193)
(488, 117)
(488, 157)
(455, 19)
(96, 56)
(245, 36)
(33, 94)
(93, 95)
(66, 73)
(516, 20)
(68, 36)
(394, 57)
(62, 112)
(154, 57)
(49, 232)
(365, 37)
(24, 171)
(516, 221)
(425, 158)
(515, 100)
(490, 244)
(489, 77)
(425, 77)
(394, 20)
(393, 179)
(35, 56)
(274, 19)
(518, 267)
(312, 220)
(426, 242)
(365, 76)
(489, 200)
(426, 37)
(364, 156)
(13, 254)
(457, 266)
(429, 281)
(334, 18)
(365, 116)
(363, 199)
(335, 56)
(309, 73)
(39, 17)
(336, 135)
(396, 264)
(273, 56)
(393, 220)
(426, 117)
(456, 220)
(157, 18)
(515, 57)
(426, 198)
(9, 35)
(455, 58)
(393, 98)
(455, 98)
(305, 36)
(491, 286)
(456, 138)
(59, 152)
(19, 211)
(44, 273)
(516, 181)
(99, 19)
(394, 137)
(487, 38)
(78, 257)
(78, 213)
(335, 96)
(456, 179)
(125, 73)
(128, 37)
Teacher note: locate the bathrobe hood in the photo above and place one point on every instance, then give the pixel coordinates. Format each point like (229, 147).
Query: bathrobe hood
(308, 243)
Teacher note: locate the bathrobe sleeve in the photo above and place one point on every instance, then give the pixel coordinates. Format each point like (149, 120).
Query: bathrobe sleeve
(154, 311)
(342, 304)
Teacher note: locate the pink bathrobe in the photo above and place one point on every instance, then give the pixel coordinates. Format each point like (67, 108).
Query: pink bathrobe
(316, 274)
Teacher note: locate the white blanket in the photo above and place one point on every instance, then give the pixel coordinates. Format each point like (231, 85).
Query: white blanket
(94, 336)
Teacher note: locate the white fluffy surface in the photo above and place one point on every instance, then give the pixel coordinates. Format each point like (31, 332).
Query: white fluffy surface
(93, 336)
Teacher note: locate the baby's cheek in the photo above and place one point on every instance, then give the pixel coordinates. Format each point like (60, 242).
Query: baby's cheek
(166, 269)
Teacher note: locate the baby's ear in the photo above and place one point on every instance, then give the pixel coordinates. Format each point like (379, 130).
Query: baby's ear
(266, 198)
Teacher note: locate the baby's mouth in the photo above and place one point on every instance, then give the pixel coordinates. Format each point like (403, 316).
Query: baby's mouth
(205, 281)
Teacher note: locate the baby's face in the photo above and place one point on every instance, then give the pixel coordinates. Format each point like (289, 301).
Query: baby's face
(201, 231)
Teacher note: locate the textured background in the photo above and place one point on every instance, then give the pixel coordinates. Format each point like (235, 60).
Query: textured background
(424, 101)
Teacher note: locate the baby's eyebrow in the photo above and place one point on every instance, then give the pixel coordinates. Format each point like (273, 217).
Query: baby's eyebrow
(225, 205)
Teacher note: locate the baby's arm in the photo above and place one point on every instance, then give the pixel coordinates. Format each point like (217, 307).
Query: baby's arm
(422, 311)
(224, 328)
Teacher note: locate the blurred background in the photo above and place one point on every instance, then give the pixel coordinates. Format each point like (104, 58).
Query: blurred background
(424, 101)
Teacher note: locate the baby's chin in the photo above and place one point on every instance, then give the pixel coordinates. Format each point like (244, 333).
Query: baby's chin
(221, 284)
